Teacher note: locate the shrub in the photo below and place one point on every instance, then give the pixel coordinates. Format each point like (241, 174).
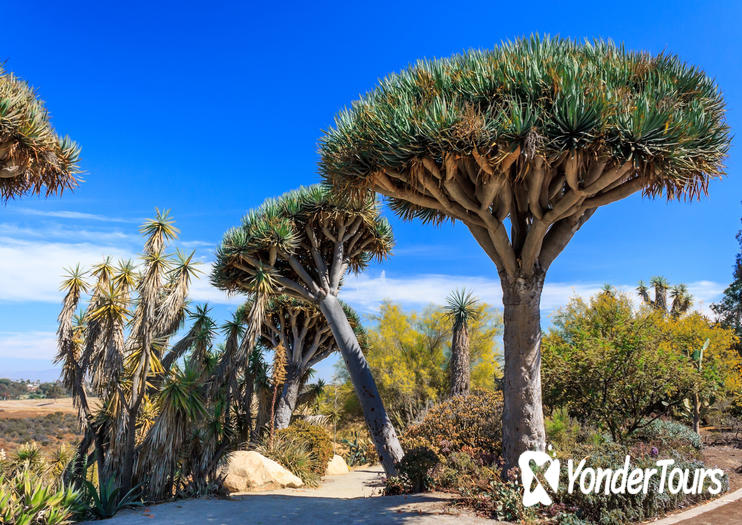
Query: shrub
(458, 470)
(562, 431)
(470, 424)
(317, 441)
(30, 498)
(498, 499)
(292, 453)
(415, 467)
(669, 435)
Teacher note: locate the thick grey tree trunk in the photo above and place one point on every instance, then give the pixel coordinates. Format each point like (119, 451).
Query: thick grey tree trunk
(460, 367)
(289, 396)
(523, 415)
(379, 425)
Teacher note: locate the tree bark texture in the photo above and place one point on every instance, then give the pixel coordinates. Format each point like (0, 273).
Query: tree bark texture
(379, 425)
(523, 416)
(460, 367)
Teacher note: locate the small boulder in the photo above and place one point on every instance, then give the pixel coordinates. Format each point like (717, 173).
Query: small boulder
(247, 470)
(337, 465)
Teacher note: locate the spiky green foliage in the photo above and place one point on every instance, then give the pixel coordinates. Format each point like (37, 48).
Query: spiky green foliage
(678, 303)
(154, 427)
(301, 226)
(542, 97)
(33, 158)
(461, 306)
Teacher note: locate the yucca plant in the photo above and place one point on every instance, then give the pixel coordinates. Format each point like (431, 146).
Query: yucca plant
(118, 347)
(679, 302)
(461, 308)
(33, 158)
(534, 135)
(301, 245)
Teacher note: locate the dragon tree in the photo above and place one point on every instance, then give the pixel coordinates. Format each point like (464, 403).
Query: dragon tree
(301, 245)
(33, 158)
(522, 144)
(298, 327)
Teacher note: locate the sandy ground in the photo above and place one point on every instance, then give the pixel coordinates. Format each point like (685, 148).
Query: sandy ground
(346, 499)
(19, 408)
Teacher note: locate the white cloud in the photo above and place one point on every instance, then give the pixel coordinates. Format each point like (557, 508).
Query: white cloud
(36, 346)
(74, 215)
(365, 291)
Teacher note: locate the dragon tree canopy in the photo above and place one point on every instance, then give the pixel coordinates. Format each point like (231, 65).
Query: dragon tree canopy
(539, 131)
(33, 158)
(300, 242)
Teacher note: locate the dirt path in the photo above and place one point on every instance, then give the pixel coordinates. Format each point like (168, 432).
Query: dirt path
(346, 499)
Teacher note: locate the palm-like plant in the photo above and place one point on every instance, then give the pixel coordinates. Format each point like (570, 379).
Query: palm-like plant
(681, 299)
(118, 347)
(301, 245)
(533, 135)
(461, 307)
(33, 158)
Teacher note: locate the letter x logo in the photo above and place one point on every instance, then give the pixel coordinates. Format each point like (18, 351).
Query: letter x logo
(534, 491)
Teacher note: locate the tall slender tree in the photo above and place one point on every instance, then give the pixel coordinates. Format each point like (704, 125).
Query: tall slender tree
(461, 307)
(302, 244)
(532, 136)
(728, 310)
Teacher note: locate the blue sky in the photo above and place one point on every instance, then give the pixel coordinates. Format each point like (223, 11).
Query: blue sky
(210, 111)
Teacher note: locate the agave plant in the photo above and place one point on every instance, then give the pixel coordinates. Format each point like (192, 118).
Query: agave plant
(532, 136)
(33, 158)
(301, 245)
(461, 307)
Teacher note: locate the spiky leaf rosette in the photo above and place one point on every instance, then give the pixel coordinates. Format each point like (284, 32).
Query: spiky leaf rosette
(301, 243)
(541, 131)
(33, 158)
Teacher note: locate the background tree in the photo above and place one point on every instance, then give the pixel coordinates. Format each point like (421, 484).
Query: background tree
(33, 158)
(678, 303)
(613, 367)
(534, 135)
(301, 245)
(409, 355)
(301, 329)
(461, 308)
(729, 309)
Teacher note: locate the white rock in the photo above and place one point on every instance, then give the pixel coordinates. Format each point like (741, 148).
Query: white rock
(337, 465)
(248, 470)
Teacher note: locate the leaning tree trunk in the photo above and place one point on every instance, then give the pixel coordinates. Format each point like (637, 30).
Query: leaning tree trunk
(379, 425)
(460, 370)
(289, 396)
(522, 416)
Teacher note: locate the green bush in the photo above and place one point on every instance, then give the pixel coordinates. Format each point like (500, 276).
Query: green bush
(669, 435)
(292, 453)
(470, 424)
(317, 441)
(415, 468)
(29, 498)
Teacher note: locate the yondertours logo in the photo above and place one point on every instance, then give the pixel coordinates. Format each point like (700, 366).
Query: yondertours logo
(540, 471)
